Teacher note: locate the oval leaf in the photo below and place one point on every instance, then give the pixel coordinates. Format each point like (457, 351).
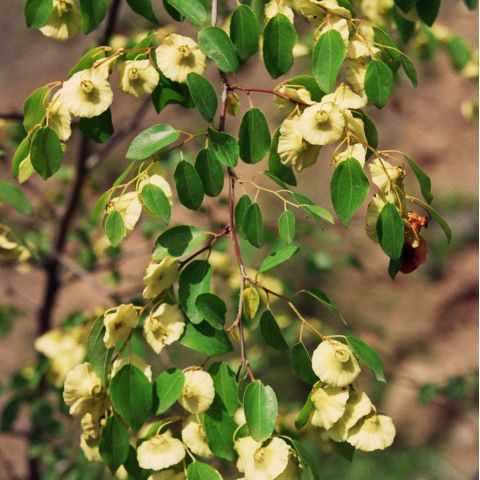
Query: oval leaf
(286, 226)
(205, 339)
(390, 231)
(93, 12)
(193, 10)
(278, 257)
(114, 444)
(244, 31)
(194, 280)
(378, 83)
(302, 364)
(203, 95)
(210, 171)
(189, 185)
(254, 136)
(202, 471)
(224, 147)
(115, 228)
(253, 225)
(219, 430)
(143, 8)
(217, 46)
(212, 308)
(11, 194)
(261, 410)
(98, 355)
(151, 140)
(271, 333)
(179, 241)
(37, 12)
(423, 179)
(226, 386)
(368, 355)
(46, 152)
(167, 389)
(156, 202)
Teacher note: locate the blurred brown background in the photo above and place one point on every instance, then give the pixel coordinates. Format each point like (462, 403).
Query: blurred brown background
(424, 324)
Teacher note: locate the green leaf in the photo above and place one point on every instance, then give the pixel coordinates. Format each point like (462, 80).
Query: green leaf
(309, 83)
(428, 10)
(205, 339)
(202, 471)
(167, 388)
(179, 241)
(315, 211)
(261, 410)
(11, 194)
(423, 179)
(394, 266)
(115, 228)
(409, 69)
(348, 189)
(189, 185)
(244, 32)
(391, 54)
(437, 217)
(279, 38)
(224, 147)
(203, 95)
(212, 308)
(151, 140)
(286, 226)
(10, 412)
(304, 415)
(308, 461)
(226, 386)
(133, 468)
(254, 136)
(302, 364)
(271, 333)
(219, 430)
(46, 152)
(210, 171)
(216, 45)
(131, 395)
(87, 60)
(275, 166)
(192, 10)
(21, 153)
(99, 129)
(390, 231)
(194, 280)
(405, 5)
(156, 202)
(378, 83)
(327, 59)
(370, 130)
(323, 298)
(37, 12)
(167, 92)
(143, 8)
(278, 257)
(34, 108)
(254, 227)
(114, 444)
(93, 12)
(471, 4)
(98, 355)
(368, 355)
(346, 450)
(460, 52)
(241, 209)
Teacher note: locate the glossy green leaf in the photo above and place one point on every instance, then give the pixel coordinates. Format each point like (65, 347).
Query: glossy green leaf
(212, 308)
(205, 339)
(378, 83)
(409, 69)
(202, 471)
(11, 194)
(131, 395)
(216, 45)
(244, 31)
(390, 231)
(224, 147)
(304, 415)
(323, 298)
(254, 226)
(37, 12)
(254, 136)
(241, 209)
(168, 92)
(46, 152)
(193, 10)
(348, 189)
(143, 8)
(302, 364)
(368, 355)
(87, 60)
(98, 355)
(277, 258)
(203, 95)
(391, 54)
(167, 388)
(423, 179)
(226, 386)
(194, 280)
(179, 242)
(286, 226)
(275, 166)
(114, 444)
(261, 410)
(271, 333)
(315, 211)
(93, 12)
(428, 10)
(99, 129)
(34, 108)
(156, 202)
(327, 59)
(189, 185)
(151, 140)
(279, 38)
(115, 228)
(219, 429)
(210, 171)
